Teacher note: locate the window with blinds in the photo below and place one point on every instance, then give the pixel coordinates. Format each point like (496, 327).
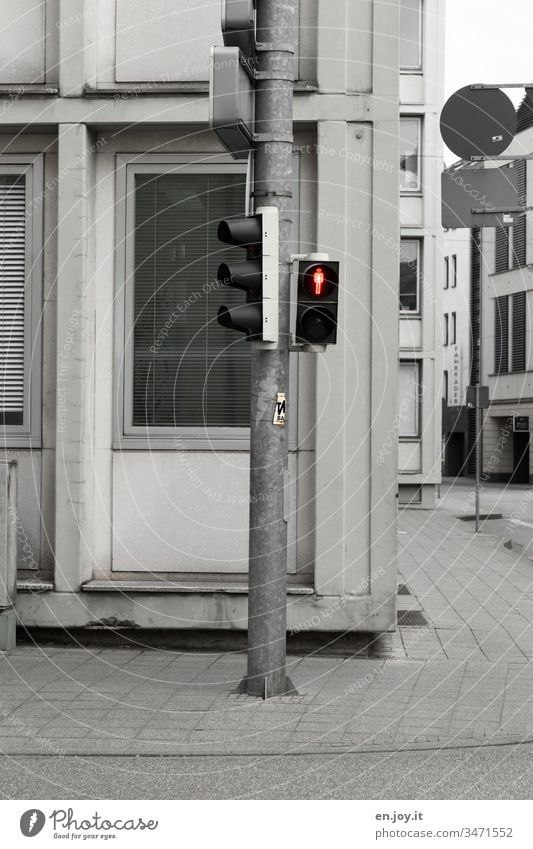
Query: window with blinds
(187, 370)
(518, 338)
(12, 298)
(502, 248)
(519, 230)
(501, 334)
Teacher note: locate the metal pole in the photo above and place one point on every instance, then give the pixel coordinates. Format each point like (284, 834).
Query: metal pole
(267, 594)
(478, 455)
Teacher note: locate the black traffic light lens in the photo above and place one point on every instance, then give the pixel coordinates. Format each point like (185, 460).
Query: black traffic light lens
(319, 281)
(316, 324)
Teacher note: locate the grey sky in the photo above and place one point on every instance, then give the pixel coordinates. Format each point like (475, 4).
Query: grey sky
(488, 41)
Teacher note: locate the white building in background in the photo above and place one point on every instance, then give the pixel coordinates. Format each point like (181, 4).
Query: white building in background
(500, 331)
(457, 350)
(123, 402)
(506, 295)
(421, 252)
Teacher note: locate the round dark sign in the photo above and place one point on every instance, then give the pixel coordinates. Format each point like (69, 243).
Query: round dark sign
(478, 122)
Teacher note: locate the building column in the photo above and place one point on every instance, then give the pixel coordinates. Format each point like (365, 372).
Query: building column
(357, 381)
(74, 370)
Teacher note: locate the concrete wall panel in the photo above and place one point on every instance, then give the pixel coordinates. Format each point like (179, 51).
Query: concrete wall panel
(163, 41)
(22, 41)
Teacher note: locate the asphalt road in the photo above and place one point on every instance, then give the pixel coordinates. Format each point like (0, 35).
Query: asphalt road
(496, 772)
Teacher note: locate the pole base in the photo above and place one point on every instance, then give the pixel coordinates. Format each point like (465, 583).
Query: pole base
(8, 629)
(260, 688)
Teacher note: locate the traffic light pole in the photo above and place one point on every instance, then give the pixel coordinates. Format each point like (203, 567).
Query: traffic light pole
(267, 596)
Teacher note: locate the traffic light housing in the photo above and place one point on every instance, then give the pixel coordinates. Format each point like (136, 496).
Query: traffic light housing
(257, 275)
(317, 302)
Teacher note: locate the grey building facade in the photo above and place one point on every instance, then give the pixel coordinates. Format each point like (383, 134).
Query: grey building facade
(124, 404)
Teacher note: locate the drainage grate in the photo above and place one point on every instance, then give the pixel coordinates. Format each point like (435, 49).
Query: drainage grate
(403, 589)
(483, 517)
(412, 618)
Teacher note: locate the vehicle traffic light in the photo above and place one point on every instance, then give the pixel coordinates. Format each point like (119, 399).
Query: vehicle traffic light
(317, 301)
(257, 275)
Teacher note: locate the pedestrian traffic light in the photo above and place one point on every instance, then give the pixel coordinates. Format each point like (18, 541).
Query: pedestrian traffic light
(257, 275)
(317, 302)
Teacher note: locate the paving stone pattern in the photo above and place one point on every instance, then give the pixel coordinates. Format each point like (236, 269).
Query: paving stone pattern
(465, 679)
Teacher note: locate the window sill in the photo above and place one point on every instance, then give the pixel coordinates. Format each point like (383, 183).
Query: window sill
(162, 89)
(28, 90)
(19, 443)
(183, 443)
(510, 373)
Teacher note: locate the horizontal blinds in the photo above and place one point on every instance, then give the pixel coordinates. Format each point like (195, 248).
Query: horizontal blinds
(519, 332)
(502, 249)
(520, 228)
(187, 370)
(501, 334)
(12, 281)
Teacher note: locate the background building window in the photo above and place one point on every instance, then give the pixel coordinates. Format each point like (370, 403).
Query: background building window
(409, 399)
(446, 328)
(520, 229)
(411, 35)
(409, 275)
(518, 331)
(453, 329)
(504, 246)
(510, 333)
(454, 271)
(446, 272)
(511, 242)
(410, 154)
(187, 370)
(501, 334)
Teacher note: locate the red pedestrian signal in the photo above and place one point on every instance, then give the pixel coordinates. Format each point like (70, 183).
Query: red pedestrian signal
(317, 303)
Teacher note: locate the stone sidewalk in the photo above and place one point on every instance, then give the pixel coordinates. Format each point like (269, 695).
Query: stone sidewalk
(462, 676)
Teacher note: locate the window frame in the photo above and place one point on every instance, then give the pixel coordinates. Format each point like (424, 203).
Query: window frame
(28, 434)
(516, 334)
(416, 312)
(415, 69)
(125, 434)
(415, 191)
(415, 435)
(502, 333)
